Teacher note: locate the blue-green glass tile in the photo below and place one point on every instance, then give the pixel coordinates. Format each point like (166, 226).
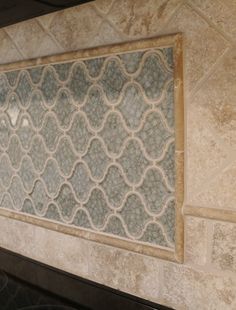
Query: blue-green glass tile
(63, 70)
(5, 131)
(79, 83)
(4, 90)
(51, 177)
(13, 110)
(17, 192)
(153, 234)
(37, 109)
(36, 74)
(154, 135)
(132, 106)
(131, 61)
(15, 152)
(50, 132)
(66, 202)
(154, 190)
(25, 132)
(113, 80)
(168, 221)
(167, 105)
(52, 213)
(6, 171)
(81, 219)
(94, 66)
(97, 208)
(134, 215)
(95, 107)
(153, 77)
(27, 174)
(38, 153)
(12, 77)
(39, 196)
(169, 56)
(28, 207)
(168, 164)
(115, 227)
(24, 88)
(49, 86)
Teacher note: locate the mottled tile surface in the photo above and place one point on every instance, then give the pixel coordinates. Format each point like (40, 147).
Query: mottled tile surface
(91, 144)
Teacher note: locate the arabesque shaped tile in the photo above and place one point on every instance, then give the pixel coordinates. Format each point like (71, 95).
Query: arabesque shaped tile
(17, 192)
(15, 152)
(154, 135)
(113, 80)
(97, 159)
(79, 83)
(27, 173)
(94, 66)
(115, 186)
(154, 234)
(133, 161)
(52, 177)
(66, 202)
(49, 86)
(131, 61)
(4, 90)
(64, 108)
(7, 202)
(167, 220)
(167, 105)
(12, 77)
(153, 77)
(37, 109)
(25, 132)
(5, 131)
(6, 171)
(79, 133)
(115, 227)
(35, 74)
(113, 133)
(38, 153)
(134, 215)
(154, 190)
(65, 156)
(168, 164)
(24, 88)
(13, 109)
(97, 208)
(28, 207)
(39, 197)
(95, 107)
(63, 70)
(50, 132)
(52, 213)
(132, 106)
(81, 219)
(81, 182)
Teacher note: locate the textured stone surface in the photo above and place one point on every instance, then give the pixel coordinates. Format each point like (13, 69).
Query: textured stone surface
(196, 237)
(223, 254)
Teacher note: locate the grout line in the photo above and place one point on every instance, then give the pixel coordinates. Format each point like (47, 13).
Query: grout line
(208, 21)
(15, 44)
(48, 32)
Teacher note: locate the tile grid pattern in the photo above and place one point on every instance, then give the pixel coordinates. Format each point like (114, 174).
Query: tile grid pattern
(91, 144)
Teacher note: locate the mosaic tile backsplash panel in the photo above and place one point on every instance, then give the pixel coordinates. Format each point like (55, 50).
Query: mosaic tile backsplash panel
(91, 144)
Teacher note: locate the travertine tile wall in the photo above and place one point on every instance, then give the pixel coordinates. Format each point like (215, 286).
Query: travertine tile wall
(207, 279)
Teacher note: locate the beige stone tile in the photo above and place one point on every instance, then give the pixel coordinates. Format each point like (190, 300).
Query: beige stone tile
(221, 13)
(31, 39)
(224, 248)
(189, 289)
(219, 192)
(202, 44)
(106, 35)
(76, 27)
(45, 20)
(141, 18)
(8, 51)
(103, 5)
(216, 98)
(129, 272)
(195, 241)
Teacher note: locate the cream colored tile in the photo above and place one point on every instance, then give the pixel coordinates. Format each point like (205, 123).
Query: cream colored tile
(216, 98)
(103, 5)
(195, 241)
(31, 39)
(141, 18)
(106, 35)
(189, 289)
(202, 44)
(76, 27)
(129, 272)
(221, 13)
(8, 51)
(224, 247)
